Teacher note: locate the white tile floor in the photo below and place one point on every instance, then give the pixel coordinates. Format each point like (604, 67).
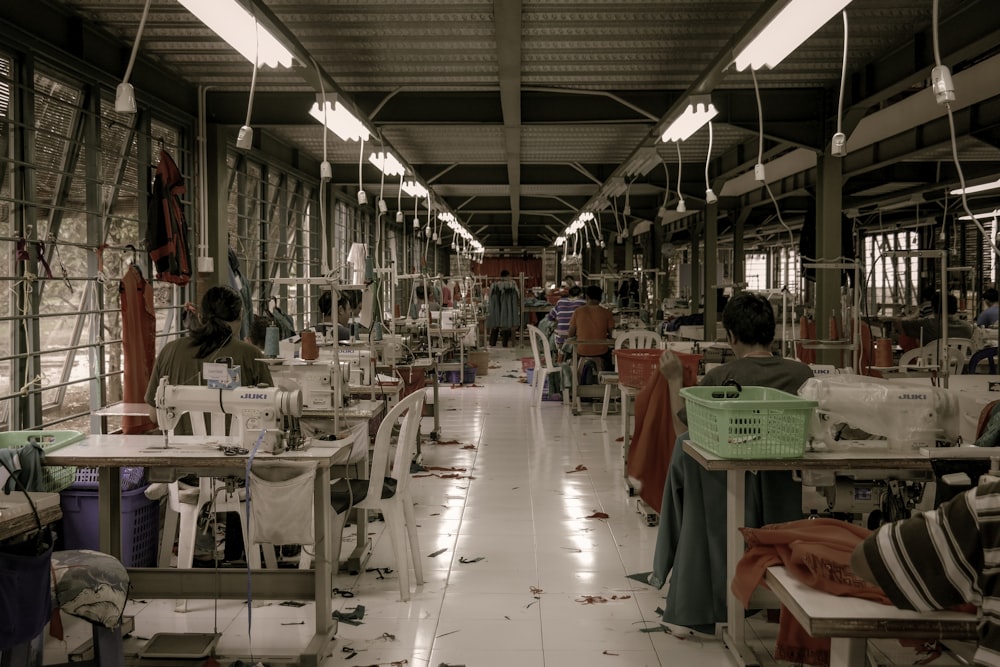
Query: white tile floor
(521, 506)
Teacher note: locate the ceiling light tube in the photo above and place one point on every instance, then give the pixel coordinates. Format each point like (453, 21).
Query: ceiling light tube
(699, 110)
(982, 187)
(231, 21)
(414, 189)
(981, 216)
(339, 119)
(788, 25)
(387, 163)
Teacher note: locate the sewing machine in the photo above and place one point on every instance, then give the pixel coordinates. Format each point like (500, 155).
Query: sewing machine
(359, 360)
(318, 382)
(265, 413)
(857, 412)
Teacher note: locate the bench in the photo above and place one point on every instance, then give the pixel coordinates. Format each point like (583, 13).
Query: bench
(850, 622)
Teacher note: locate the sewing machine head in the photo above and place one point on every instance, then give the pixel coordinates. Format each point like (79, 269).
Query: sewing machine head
(905, 415)
(268, 414)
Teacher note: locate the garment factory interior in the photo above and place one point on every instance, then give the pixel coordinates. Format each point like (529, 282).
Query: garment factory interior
(401, 155)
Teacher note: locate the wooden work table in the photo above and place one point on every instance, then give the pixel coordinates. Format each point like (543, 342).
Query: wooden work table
(203, 455)
(16, 517)
(841, 460)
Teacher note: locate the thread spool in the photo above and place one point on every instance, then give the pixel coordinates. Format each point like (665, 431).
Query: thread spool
(271, 337)
(883, 352)
(310, 350)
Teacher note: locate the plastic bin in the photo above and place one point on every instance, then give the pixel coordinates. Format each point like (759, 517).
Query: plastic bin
(131, 478)
(752, 423)
(54, 478)
(140, 524)
(635, 366)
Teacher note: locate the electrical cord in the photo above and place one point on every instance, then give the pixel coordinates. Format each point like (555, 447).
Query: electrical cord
(135, 45)
(954, 141)
(843, 79)
(680, 165)
(708, 158)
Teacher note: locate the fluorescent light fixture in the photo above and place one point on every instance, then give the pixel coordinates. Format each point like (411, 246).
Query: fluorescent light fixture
(787, 26)
(339, 119)
(231, 21)
(643, 162)
(387, 163)
(414, 189)
(973, 189)
(699, 110)
(982, 216)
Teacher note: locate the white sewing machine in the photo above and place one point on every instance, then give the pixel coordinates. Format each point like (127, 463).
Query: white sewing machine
(318, 382)
(859, 411)
(362, 367)
(257, 412)
(905, 416)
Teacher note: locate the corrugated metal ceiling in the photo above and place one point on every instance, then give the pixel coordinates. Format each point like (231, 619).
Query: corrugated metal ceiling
(594, 80)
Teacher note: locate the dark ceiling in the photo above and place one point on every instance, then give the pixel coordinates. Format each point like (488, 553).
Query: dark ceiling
(521, 113)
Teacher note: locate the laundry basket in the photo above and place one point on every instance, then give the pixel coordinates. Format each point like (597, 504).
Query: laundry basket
(636, 366)
(748, 423)
(54, 478)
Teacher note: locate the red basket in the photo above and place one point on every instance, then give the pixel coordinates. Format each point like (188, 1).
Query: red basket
(636, 366)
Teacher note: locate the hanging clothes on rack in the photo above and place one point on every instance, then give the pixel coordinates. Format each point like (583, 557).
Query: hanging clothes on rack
(135, 296)
(239, 283)
(166, 230)
(504, 310)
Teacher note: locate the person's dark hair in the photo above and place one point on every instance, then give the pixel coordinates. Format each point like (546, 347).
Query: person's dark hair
(344, 302)
(928, 294)
(258, 329)
(504, 273)
(594, 293)
(575, 290)
(750, 319)
(326, 303)
(220, 306)
(419, 291)
(991, 295)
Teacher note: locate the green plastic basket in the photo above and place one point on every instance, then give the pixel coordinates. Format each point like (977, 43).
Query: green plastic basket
(54, 478)
(752, 423)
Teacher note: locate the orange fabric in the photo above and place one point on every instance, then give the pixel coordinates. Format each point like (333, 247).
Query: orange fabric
(907, 343)
(652, 446)
(816, 552)
(138, 344)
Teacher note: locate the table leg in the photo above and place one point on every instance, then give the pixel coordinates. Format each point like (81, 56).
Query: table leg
(626, 431)
(574, 381)
(848, 651)
(109, 506)
(326, 626)
(735, 632)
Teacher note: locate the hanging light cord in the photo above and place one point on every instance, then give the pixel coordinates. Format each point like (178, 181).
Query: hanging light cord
(760, 156)
(135, 45)
(954, 141)
(843, 79)
(708, 155)
(680, 165)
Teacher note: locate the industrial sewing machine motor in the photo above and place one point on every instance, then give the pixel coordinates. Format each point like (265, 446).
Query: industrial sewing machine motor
(320, 383)
(859, 412)
(266, 413)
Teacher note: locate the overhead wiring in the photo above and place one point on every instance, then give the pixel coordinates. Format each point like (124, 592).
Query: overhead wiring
(759, 168)
(951, 128)
(681, 207)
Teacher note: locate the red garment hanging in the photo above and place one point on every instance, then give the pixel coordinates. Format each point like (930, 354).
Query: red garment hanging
(138, 344)
(652, 446)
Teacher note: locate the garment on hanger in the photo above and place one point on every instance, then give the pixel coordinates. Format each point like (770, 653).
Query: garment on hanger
(241, 285)
(135, 296)
(357, 257)
(504, 305)
(166, 229)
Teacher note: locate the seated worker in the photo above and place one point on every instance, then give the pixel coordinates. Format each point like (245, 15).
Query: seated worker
(991, 313)
(563, 311)
(345, 310)
(418, 301)
(928, 329)
(691, 539)
(592, 321)
(939, 559)
(214, 338)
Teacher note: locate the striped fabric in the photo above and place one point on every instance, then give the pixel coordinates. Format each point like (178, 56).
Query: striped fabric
(945, 557)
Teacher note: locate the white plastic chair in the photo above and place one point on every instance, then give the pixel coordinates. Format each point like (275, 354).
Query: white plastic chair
(634, 339)
(355, 459)
(544, 366)
(387, 491)
(185, 503)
